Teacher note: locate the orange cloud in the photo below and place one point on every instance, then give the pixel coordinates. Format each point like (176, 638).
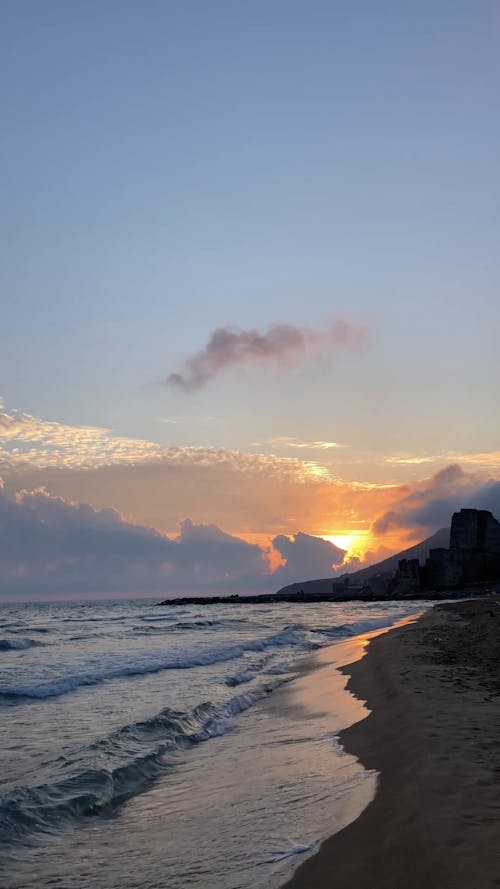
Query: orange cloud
(27, 441)
(484, 459)
(256, 496)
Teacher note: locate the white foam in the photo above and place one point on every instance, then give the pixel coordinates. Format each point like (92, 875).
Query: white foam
(139, 665)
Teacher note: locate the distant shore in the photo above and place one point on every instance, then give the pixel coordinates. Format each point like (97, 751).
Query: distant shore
(434, 691)
(303, 598)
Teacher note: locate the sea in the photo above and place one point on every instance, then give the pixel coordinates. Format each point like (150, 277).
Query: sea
(178, 746)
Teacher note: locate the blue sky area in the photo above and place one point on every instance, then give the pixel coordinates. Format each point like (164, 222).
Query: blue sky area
(170, 168)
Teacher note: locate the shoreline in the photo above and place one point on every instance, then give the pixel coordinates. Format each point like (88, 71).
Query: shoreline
(433, 689)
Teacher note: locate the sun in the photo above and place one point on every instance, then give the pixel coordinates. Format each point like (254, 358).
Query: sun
(345, 541)
(353, 543)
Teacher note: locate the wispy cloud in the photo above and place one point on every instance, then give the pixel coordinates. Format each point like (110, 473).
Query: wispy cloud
(283, 441)
(175, 420)
(411, 460)
(285, 344)
(487, 459)
(28, 441)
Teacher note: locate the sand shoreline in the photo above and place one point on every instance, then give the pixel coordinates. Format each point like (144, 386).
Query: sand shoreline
(434, 691)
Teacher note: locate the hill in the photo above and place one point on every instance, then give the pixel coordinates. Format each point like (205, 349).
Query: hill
(420, 551)
(323, 586)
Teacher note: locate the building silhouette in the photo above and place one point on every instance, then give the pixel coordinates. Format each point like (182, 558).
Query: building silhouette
(473, 555)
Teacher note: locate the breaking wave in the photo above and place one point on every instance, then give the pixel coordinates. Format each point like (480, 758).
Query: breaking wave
(296, 636)
(357, 628)
(119, 766)
(195, 624)
(139, 665)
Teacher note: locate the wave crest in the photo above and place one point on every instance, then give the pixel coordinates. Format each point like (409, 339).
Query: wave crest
(129, 760)
(140, 665)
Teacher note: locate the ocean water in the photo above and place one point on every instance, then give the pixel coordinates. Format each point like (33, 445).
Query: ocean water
(145, 746)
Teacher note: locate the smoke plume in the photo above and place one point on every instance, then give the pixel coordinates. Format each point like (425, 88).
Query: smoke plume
(284, 344)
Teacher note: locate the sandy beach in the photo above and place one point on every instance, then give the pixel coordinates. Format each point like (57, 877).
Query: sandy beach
(433, 736)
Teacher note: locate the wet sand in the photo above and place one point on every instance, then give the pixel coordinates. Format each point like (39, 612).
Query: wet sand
(434, 737)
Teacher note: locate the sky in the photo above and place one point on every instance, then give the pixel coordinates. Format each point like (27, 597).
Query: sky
(250, 288)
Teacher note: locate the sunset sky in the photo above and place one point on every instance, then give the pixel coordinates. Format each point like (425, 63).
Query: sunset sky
(250, 288)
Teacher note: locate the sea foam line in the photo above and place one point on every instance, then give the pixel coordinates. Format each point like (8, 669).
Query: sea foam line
(141, 665)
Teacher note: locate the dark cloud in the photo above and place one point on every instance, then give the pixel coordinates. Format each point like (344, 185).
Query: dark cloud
(282, 343)
(306, 557)
(432, 503)
(52, 546)
(487, 497)
(225, 558)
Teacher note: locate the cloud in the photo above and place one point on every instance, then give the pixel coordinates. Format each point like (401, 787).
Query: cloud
(27, 441)
(285, 344)
(154, 485)
(428, 505)
(246, 495)
(52, 546)
(306, 557)
(225, 557)
(256, 496)
(283, 441)
(487, 459)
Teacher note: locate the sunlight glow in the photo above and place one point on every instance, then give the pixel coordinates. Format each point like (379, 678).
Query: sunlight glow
(355, 543)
